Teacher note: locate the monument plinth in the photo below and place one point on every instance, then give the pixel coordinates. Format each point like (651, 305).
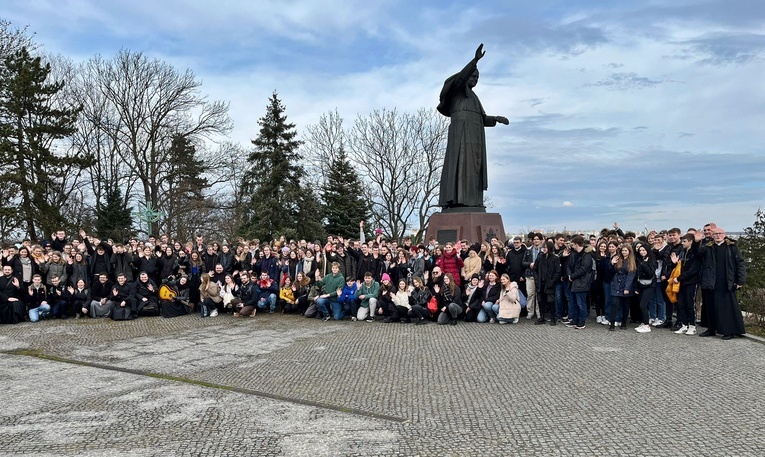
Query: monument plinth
(473, 226)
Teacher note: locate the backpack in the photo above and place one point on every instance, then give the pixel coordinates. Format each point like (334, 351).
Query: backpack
(119, 313)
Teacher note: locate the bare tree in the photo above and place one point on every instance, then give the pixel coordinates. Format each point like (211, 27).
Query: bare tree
(217, 209)
(228, 191)
(135, 106)
(400, 157)
(98, 134)
(322, 144)
(12, 39)
(73, 194)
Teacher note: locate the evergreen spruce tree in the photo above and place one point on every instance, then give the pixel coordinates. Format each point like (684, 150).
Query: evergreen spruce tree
(113, 217)
(277, 204)
(308, 218)
(185, 186)
(752, 246)
(186, 175)
(31, 121)
(344, 204)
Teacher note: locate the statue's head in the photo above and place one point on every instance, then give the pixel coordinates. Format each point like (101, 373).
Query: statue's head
(473, 80)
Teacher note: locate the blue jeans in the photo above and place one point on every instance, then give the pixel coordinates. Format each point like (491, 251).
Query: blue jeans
(339, 310)
(41, 311)
(561, 289)
(608, 301)
(270, 301)
(578, 308)
(620, 309)
(60, 308)
(350, 306)
(657, 308)
(489, 311)
(324, 305)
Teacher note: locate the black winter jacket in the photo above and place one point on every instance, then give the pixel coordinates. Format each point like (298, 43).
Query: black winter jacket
(735, 270)
(547, 269)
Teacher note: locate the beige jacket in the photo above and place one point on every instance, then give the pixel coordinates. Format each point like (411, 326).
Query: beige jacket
(213, 291)
(472, 265)
(509, 306)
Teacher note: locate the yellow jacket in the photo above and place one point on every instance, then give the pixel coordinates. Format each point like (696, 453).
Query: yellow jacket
(285, 293)
(673, 288)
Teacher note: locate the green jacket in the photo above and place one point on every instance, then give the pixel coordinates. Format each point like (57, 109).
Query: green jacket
(332, 283)
(369, 292)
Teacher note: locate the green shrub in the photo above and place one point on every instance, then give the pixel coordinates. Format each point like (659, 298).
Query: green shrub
(752, 246)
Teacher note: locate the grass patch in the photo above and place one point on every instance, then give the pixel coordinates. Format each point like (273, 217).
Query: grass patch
(27, 352)
(755, 330)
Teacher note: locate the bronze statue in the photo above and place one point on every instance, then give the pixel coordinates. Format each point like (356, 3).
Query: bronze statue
(464, 177)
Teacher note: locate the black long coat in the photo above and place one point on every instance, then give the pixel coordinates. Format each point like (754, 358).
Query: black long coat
(547, 268)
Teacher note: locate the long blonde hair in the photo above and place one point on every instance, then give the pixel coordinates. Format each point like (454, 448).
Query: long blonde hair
(630, 259)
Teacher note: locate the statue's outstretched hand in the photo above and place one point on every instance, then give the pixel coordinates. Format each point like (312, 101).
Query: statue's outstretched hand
(479, 52)
(502, 120)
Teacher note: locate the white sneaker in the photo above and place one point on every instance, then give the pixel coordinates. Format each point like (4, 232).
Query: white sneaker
(682, 330)
(604, 321)
(617, 324)
(691, 330)
(643, 328)
(658, 323)
(651, 321)
(598, 319)
(213, 313)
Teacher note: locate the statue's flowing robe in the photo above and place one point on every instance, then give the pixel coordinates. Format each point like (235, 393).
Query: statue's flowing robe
(464, 176)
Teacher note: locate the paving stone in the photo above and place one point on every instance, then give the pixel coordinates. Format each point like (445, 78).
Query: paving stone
(305, 387)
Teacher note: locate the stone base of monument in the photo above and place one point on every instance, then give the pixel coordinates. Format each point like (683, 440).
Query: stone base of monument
(476, 227)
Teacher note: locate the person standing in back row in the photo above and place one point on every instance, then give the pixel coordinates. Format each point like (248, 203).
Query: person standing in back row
(722, 274)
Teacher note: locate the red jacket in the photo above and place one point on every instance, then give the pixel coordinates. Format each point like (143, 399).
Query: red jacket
(451, 263)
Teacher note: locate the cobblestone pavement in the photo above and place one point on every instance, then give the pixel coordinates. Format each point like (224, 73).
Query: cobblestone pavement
(286, 385)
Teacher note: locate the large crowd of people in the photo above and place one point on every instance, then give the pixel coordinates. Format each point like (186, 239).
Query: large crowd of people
(656, 280)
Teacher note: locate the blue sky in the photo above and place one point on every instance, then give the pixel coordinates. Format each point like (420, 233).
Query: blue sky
(649, 113)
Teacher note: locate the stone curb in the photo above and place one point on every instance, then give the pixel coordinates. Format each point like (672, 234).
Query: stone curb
(754, 338)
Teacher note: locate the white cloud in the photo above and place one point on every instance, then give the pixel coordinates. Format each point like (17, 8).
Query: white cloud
(646, 113)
